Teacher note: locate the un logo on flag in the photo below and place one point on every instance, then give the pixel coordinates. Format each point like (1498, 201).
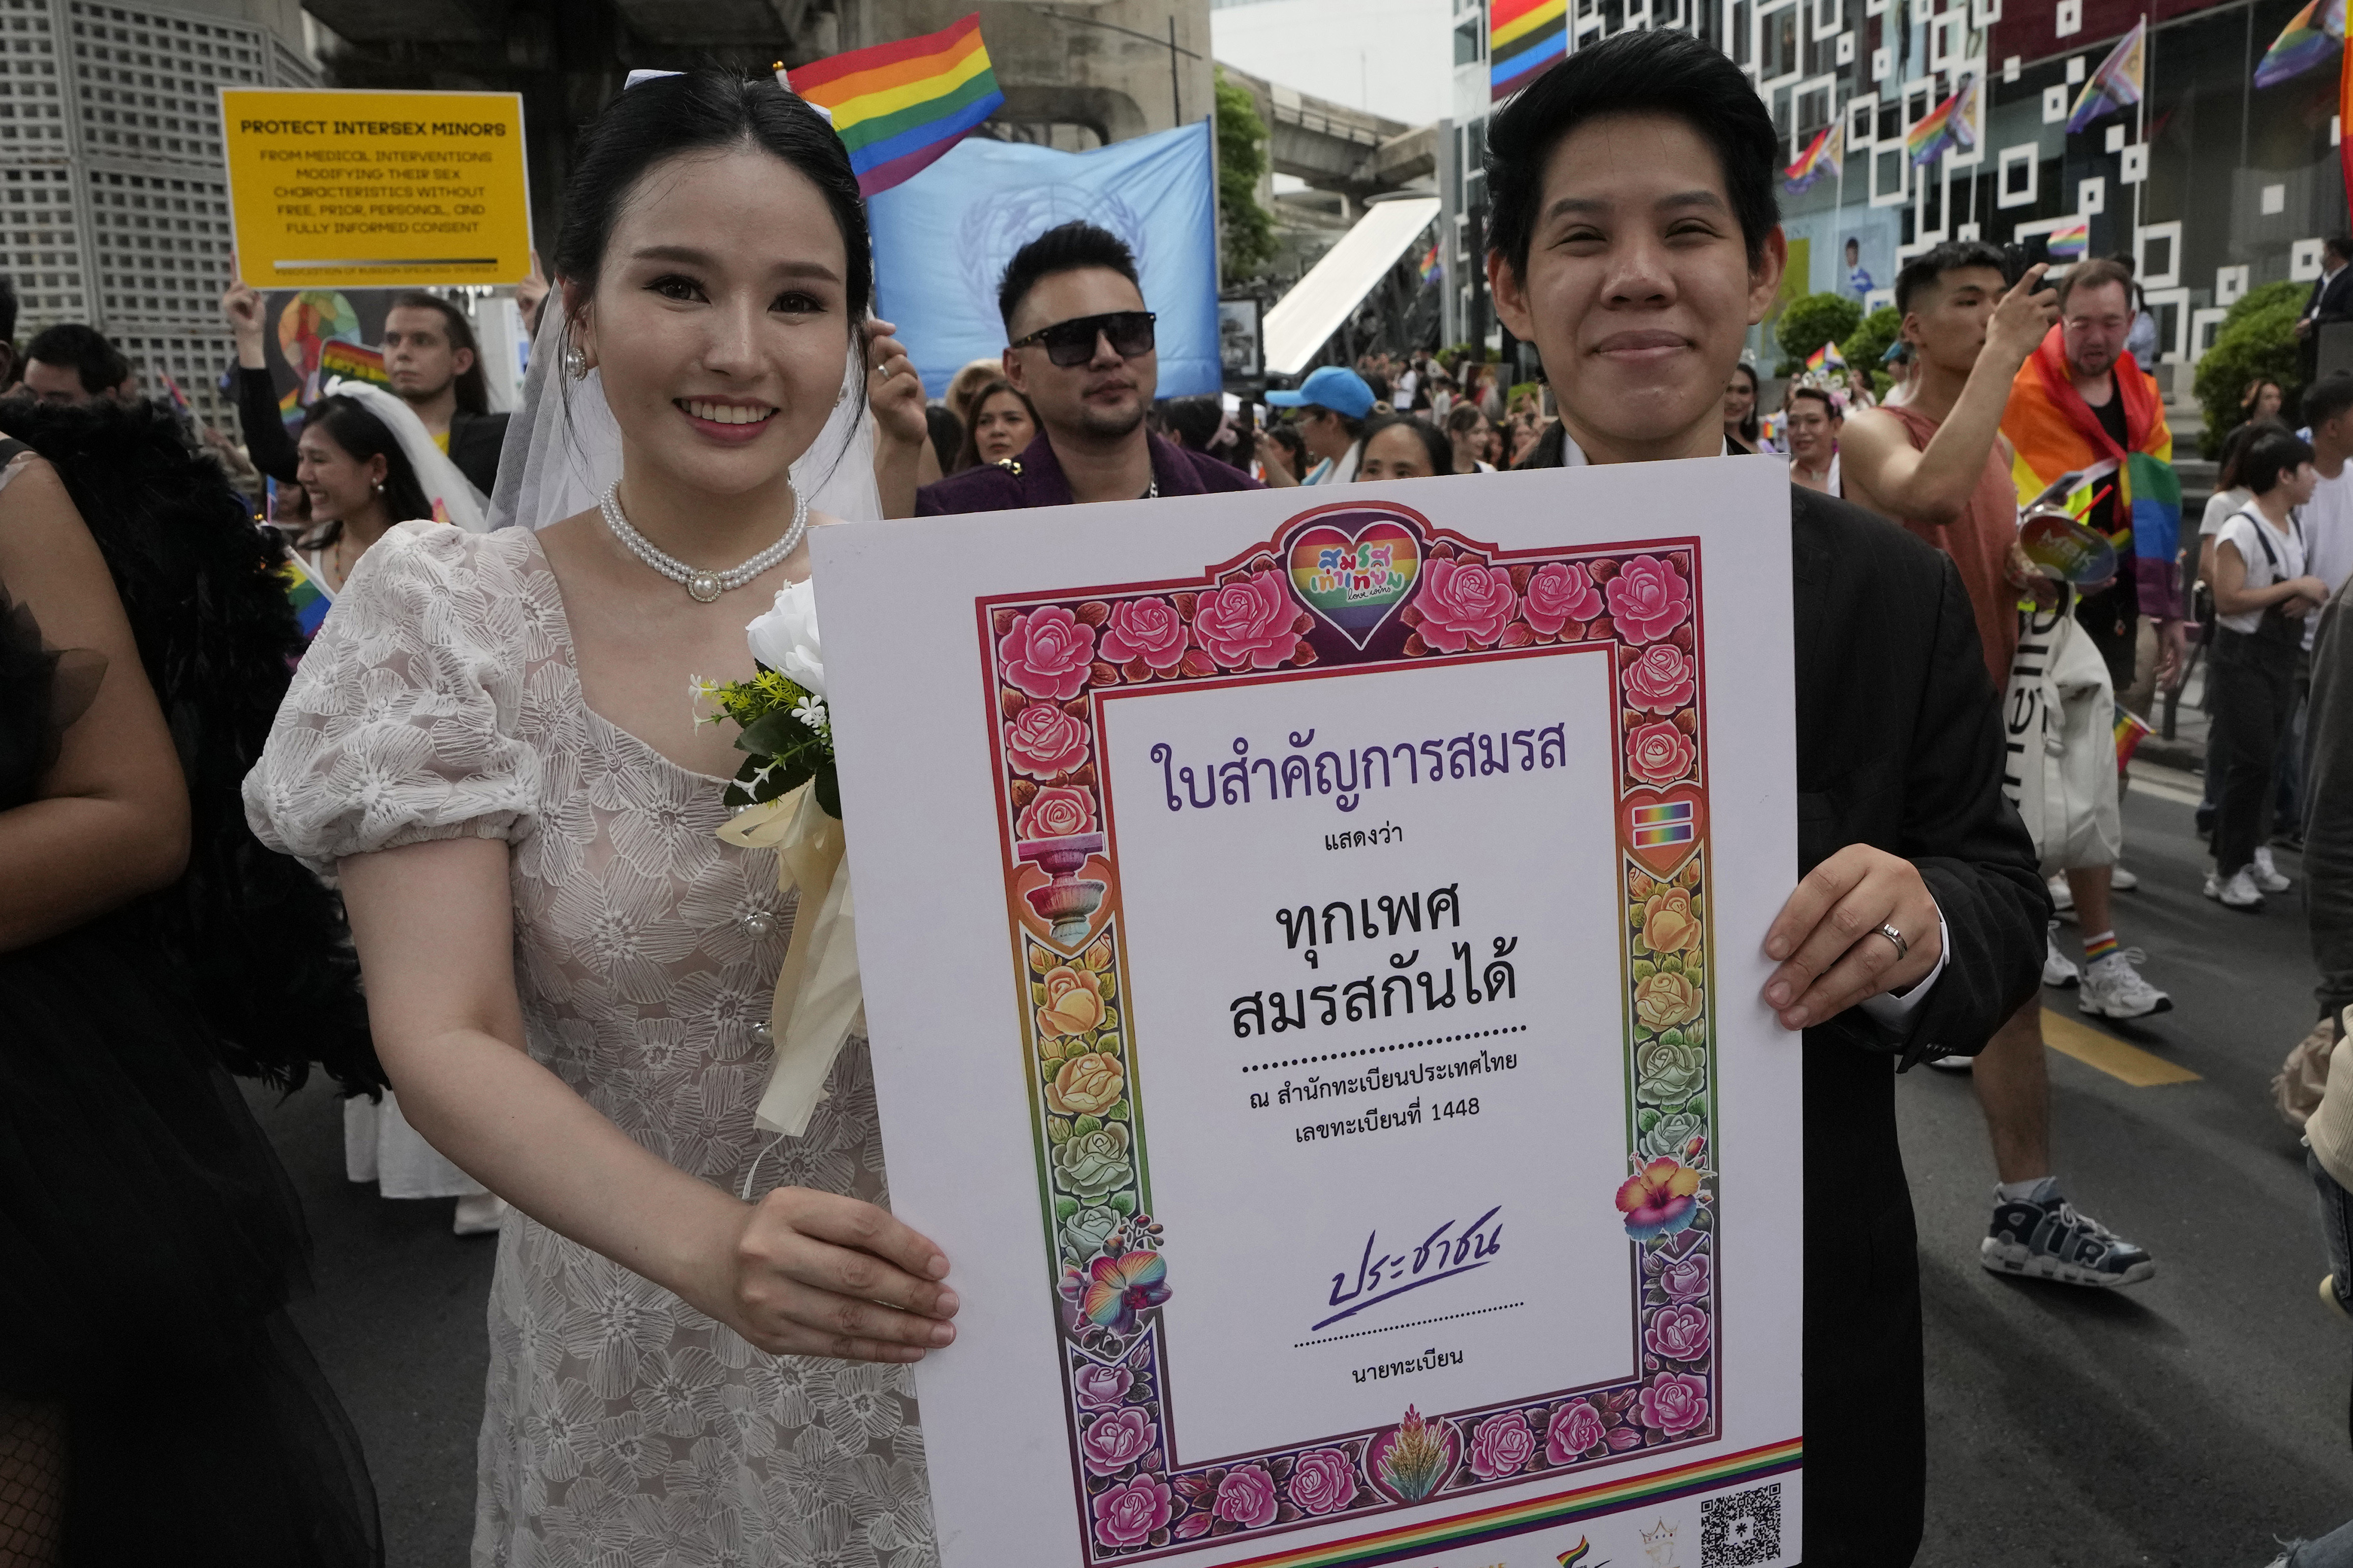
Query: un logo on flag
(1001, 223)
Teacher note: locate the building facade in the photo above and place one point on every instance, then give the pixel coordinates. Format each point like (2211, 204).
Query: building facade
(113, 203)
(2213, 184)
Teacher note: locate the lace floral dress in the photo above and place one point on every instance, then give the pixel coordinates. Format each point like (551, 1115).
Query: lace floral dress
(439, 700)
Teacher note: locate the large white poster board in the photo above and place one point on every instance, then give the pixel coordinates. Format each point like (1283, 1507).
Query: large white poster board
(1310, 943)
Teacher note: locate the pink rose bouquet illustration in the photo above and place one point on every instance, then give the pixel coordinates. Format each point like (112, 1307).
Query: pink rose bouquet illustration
(1049, 653)
(1145, 631)
(1647, 599)
(1462, 603)
(1559, 593)
(1249, 624)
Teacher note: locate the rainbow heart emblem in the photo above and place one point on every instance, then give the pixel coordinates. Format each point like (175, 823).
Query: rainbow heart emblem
(1353, 568)
(1662, 828)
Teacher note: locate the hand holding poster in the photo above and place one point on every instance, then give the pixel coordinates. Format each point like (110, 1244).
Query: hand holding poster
(1312, 954)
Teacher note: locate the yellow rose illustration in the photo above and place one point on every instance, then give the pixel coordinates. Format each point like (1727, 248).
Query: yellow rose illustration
(1666, 1001)
(1086, 1084)
(1668, 923)
(1074, 1003)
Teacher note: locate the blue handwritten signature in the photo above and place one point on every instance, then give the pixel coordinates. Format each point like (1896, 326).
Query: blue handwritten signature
(1440, 1256)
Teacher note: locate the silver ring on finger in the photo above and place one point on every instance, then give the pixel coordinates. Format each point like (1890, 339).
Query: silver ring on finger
(1903, 948)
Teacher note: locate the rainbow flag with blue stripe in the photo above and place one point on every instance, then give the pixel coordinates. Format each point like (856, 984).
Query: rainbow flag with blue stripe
(2071, 239)
(1946, 128)
(1656, 826)
(900, 107)
(1524, 38)
(309, 596)
(2311, 36)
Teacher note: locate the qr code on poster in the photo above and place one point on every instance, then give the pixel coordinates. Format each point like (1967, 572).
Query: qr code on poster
(1742, 1531)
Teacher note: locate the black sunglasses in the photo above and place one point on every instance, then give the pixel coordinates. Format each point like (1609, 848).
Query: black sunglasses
(1072, 342)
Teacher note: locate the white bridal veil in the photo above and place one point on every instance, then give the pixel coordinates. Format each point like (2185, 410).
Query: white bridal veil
(562, 448)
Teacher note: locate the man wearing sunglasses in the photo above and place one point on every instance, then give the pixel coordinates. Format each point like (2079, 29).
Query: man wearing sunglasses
(1081, 348)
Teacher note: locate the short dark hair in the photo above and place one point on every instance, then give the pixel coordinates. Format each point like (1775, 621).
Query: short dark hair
(2234, 450)
(2342, 244)
(1660, 72)
(1066, 247)
(97, 364)
(1829, 404)
(473, 390)
(1434, 442)
(2329, 396)
(2096, 274)
(1953, 256)
(2276, 451)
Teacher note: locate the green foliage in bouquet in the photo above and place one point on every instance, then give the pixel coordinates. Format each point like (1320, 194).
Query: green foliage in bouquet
(788, 732)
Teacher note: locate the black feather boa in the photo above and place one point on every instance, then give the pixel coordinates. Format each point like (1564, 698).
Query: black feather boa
(263, 944)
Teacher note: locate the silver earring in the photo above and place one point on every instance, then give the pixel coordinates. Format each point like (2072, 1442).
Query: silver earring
(576, 363)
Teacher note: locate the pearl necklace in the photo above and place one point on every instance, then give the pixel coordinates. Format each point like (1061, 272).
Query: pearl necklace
(701, 586)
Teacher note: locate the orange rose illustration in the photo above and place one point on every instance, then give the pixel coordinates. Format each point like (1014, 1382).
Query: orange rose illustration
(1088, 1085)
(1074, 1003)
(1668, 923)
(1666, 1001)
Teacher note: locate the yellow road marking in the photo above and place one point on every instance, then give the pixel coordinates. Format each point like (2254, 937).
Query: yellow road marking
(2093, 1047)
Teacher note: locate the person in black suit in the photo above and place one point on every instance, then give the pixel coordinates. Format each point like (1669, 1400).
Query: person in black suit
(2331, 301)
(1635, 237)
(430, 359)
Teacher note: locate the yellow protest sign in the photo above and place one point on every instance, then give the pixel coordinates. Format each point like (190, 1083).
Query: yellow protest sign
(376, 189)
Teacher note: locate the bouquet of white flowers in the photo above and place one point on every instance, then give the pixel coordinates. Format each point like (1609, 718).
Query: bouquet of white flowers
(781, 710)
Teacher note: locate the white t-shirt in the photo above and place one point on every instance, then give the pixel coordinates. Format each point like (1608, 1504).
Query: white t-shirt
(2328, 529)
(2248, 533)
(1328, 472)
(2220, 508)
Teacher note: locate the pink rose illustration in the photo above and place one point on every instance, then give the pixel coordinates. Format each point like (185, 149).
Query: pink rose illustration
(1684, 1278)
(1500, 1446)
(1128, 1515)
(1678, 1332)
(1246, 1497)
(1044, 741)
(1101, 1387)
(1114, 1441)
(1246, 625)
(1647, 599)
(1461, 603)
(1047, 653)
(1059, 812)
(1575, 1428)
(1655, 754)
(1559, 593)
(1659, 679)
(1674, 1403)
(1148, 629)
(1323, 1481)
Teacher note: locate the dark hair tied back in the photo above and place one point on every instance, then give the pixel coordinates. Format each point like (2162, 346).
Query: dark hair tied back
(348, 423)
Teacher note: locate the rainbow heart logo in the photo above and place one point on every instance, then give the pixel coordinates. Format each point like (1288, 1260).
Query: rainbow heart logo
(1353, 567)
(1662, 828)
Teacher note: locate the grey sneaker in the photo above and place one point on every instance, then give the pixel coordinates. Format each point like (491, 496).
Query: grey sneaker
(2045, 1238)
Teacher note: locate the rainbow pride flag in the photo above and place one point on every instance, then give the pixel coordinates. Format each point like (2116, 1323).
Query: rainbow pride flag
(2311, 36)
(306, 593)
(1430, 267)
(2131, 731)
(2071, 239)
(1524, 36)
(2117, 84)
(1826, 357)
(900, 107)
(356, 361)
(1946, 128)
(1822, 155)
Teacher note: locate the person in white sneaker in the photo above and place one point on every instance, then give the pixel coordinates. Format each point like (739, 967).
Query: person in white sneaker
(2263, 597)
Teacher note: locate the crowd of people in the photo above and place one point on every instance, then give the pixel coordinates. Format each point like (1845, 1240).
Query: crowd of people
(480, 761)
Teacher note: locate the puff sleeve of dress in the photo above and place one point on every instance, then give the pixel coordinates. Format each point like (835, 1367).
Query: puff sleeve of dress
(403, 724)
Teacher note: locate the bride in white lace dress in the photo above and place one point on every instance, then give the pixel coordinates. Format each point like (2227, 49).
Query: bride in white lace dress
(491, 741)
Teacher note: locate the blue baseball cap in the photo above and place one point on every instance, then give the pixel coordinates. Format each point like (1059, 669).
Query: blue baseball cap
(1335, 387)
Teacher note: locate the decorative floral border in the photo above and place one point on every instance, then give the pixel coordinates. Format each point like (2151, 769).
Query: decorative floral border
(1050, 662)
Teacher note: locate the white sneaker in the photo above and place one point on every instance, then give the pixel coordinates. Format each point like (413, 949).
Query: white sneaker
(2062, 897)
(479, 1214)
(2121, 880)
(1953, 1064)
(2267, 876)
(2058, 969)
(2239, 892)
(2113, 988)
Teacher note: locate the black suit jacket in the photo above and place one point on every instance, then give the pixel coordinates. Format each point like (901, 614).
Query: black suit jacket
(2331, 298)
(474, 438)
(1899, 746)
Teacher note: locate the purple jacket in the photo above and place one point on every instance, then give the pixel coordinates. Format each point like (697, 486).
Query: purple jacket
(1035, 478)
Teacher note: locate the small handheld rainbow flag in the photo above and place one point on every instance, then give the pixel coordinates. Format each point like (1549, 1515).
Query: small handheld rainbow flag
(1430, 267)
(2311, 36)
(1946, 127)
(900, 107)
(2117, 84)
(1823, 154)
(1826, 357)
(356, 361)
(2071, 239)
(306, 593)
(1524, 36)
(2131, 731)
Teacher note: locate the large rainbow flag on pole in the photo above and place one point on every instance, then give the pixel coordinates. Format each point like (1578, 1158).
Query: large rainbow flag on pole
(1945, 127)
(1524, 36)
(2311, 36)
(900, 107)
(1824, 153)
(2117, 84)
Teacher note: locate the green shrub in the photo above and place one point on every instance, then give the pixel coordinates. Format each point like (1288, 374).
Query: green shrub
(1242, 158)
(1868, 342)
(1480, 353)
(2256, 339)
(1810, 322)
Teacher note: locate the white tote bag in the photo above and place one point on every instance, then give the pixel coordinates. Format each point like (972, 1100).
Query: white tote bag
(2059, 724)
